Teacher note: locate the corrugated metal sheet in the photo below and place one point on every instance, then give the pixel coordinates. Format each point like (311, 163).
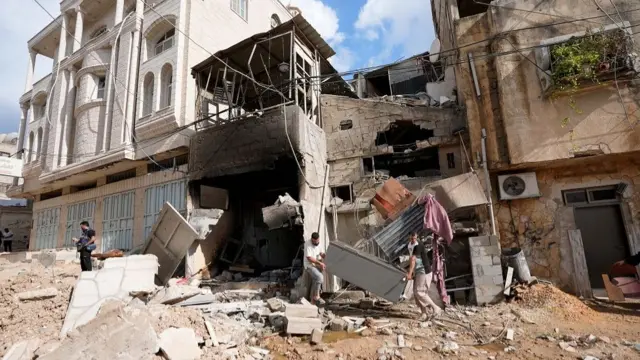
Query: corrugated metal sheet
(174, 193)
(47, 222)
(117, 221)
(392, 240)
(76, 214)
(365, 271)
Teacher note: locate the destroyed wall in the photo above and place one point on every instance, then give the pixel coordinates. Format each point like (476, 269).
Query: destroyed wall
(541, 226)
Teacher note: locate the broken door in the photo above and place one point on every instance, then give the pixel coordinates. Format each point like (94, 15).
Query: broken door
(169, 240)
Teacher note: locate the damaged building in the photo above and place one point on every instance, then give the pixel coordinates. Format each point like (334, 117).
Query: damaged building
(561, 145)
(259, 157)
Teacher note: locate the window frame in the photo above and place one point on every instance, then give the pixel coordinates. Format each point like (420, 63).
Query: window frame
(588, 192)
(237, 7)
(163, 41)
(101, 87)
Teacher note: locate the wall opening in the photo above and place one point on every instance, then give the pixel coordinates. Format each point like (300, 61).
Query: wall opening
(346, 124)
(403, 135)
(247, 242)
(471, 7)
(344, 192)
(50, 195)
(123, 175)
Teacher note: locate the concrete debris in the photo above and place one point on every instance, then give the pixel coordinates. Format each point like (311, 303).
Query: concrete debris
(116, 280)
(277, 320)
(23, 350)
(386, 331)
(47, 348)
(302, 326)
(301, 311)
(212, 333)
(589, 357)
(567, 346)
(401, 342)
(284, 213)
(275, 304)
(447, 347)
(175, 294)
(179, 344)
(450, 335)
(260, 351)
(589, 339)
(237, 307)
(510, 334)
(316, 336)
(509, 349)
(338, 324)
(40, 294)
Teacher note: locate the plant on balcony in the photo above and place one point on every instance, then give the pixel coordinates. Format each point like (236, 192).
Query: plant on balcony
(589, 59)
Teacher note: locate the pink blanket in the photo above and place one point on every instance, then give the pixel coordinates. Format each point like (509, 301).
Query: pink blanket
(437, 220)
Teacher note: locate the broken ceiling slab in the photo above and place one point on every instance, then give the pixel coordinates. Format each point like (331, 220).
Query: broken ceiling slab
(457, 192)
(170, 240)
(115, 281)
(365, 271)
(284, 213)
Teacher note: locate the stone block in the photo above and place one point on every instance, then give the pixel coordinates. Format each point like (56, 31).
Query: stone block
(496, 260)
(179, 344)
(301, 311)
(338, 324)
(482, 260)
(302, 326)
(316, 336)
(35, 295)
(492, 270)
(275, 304)
(479, 241)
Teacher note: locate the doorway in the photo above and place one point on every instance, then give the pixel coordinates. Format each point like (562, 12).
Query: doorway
(599, 219)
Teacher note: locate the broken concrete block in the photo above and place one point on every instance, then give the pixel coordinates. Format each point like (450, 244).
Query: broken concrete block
(301, 311)
(401, 341)
(302, 326)
(316, 336)
(338, 324)
(212, 333)
(23, 350)
(275, 304)
(40, 294)
(276, 319)
(304, 301)
(179, 344)
(174, 294)
(510, 334)
(367, 303)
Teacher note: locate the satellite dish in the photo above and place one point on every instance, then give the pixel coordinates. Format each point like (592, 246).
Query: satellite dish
(434, 51)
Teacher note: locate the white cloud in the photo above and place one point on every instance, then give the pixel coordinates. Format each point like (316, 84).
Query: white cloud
(407, 27)
(344, 59)
(20, 20)
(323, 18)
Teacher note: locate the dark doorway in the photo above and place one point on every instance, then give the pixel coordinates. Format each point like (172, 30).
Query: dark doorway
(603, 237)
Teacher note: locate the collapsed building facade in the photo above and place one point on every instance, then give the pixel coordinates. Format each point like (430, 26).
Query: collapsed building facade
(561, 144)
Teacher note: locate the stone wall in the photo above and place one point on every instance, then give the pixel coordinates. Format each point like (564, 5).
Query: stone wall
(540, 226)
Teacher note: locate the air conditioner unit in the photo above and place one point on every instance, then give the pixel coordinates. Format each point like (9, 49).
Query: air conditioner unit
(518, 186)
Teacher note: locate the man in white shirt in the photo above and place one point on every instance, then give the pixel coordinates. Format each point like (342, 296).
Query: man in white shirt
(314, 266)
(7, 237)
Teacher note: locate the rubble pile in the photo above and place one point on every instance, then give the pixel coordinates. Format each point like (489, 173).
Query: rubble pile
(553, 299)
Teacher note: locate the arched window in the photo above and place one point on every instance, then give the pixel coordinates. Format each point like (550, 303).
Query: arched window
(101, 30)
(275, 21)
(166, 89)
(30, 154)
(39, 144)
(165, 42)
(147, 105)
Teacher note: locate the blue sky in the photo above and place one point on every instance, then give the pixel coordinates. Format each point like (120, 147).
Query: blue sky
(363, 33)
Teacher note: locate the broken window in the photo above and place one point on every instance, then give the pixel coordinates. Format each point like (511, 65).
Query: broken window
(344, 192)
(418, 163)
(472, 7)
(587, 196)
(346, 124)
(403, 135)
(451, 161)
(368, 167)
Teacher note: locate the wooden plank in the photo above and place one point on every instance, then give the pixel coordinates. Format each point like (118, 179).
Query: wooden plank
(613, 292)
(507, 283)
(581, 272)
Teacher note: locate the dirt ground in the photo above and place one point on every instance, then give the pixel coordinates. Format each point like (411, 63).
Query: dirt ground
(546, 324)
(541, 321)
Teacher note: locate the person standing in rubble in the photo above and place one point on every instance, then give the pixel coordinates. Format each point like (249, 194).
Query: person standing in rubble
(420, 273)
(7, 237)
(314, 267)
(86, 244)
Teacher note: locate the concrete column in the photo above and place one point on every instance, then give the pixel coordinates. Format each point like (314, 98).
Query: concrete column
(23, 129)
(66, 148)
(32, 64)
(132, 85)
(59, 118)
(77, 43)
(119, 11)
(108, 114)
(62, 45)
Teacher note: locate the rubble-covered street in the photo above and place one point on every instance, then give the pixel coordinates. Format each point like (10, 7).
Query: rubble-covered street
(185, 321)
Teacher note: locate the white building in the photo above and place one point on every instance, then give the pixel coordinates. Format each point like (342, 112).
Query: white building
(118, 96)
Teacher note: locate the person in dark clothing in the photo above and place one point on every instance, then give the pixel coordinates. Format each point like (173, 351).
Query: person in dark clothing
(86, 244)
(626, 267)
(633, 259)
(7, 237)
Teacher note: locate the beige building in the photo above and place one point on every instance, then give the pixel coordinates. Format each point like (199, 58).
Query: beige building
(15, 214)
(561, 140)
(106, 134)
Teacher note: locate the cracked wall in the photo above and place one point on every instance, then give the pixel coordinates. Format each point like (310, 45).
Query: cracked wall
(540, 226)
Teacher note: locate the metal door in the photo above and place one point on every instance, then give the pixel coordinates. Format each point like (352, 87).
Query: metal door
(76, 214)
(603, 237)
(47, 228)
(174, 193)
(117, 221)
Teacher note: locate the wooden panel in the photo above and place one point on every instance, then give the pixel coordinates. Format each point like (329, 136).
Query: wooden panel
(581, 273)
(613, 292)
